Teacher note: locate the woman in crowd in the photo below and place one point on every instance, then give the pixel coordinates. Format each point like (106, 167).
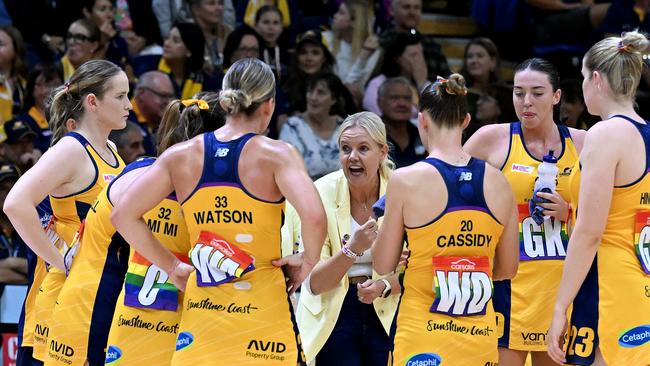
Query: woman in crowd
(481, 68)
(72, 172)
(354, 47)
(40, 83)
(112, 46)
(243, 176)
(182, 60)
(13, 72)
(524, 304)
(268, 24)
(402, 57)
(82, 44)
(209, 15)
(314, 132)
(344, 315)
(607, 266)
(311, 56)
(472, 201)
(243, 42)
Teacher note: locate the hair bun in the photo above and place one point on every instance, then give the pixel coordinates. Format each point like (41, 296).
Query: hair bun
(456, 84)
(634, 41)
(234, 100)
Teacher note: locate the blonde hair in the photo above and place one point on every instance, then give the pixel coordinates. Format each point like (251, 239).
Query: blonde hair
(620, 59)
(376, 129)
(247, 84)
(361, 16)
(67, 100)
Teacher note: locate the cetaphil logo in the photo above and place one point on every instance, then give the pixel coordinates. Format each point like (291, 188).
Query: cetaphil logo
(184, 340)
(635, 337)
(113, 355)
(424, 359)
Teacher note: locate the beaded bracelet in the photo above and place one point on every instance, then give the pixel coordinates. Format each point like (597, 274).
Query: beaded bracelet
(349, 253)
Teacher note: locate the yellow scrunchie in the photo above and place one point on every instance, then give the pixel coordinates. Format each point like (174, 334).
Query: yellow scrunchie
(202, 104)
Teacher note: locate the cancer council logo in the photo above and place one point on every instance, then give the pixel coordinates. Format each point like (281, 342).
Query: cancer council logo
(184, 340)
(635, 337)
(113, 355)
(424, 359)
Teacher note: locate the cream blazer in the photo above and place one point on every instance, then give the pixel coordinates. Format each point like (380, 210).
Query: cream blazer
(317, 314)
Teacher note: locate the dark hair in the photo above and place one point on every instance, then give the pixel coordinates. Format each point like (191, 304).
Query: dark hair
(388, 64)
(445, 101)
(180, 123)
(18, 67)
(89, 4)
(336, 88)
(94, 34)
(543, 66)
(266, 9)
(194, 41)
(49, 73)
(234, 40)
(492, 51)
(67, 101)
(572, 91)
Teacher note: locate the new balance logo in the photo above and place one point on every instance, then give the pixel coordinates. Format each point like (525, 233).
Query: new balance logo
(221, 152)
(465, 176)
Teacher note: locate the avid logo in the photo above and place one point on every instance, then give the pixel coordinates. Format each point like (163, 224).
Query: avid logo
(260, 345)
(42, 330)
(61, 348)
(184, 340)
(113, 355)
(635, 337)
(424, 359)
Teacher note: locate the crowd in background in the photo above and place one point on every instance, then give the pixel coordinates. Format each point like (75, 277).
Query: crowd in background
(331, 58)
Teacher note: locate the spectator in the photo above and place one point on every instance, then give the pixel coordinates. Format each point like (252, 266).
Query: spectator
(13, 251)
(112, 46)
(243, 42)
(129, 142)
(208, 14)
(182, 60)
(395, 103)
(83, 44)
(18, 145)
(406, 18)
(481, 64)
(487, 98)
(169, 12)
(40, 83)
(12, 72)
(356, 49)
(268, 24)
(152, 93)
(138, 26)
(402, 57)
(311, 56)
(626, 16)
(573, 111)
(313, 132)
